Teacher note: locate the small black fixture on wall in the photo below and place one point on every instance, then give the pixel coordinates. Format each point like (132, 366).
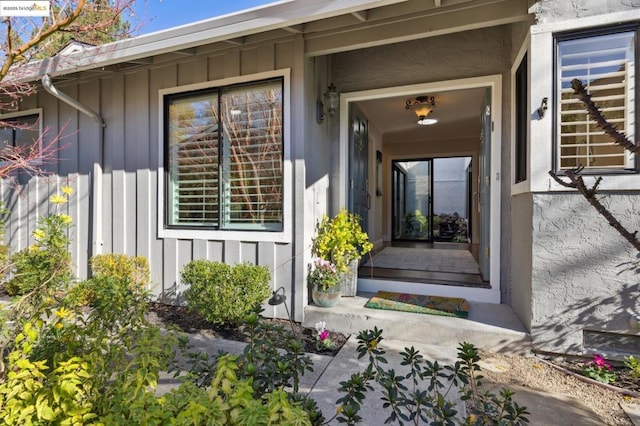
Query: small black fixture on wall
(544, 105)
(331, 103)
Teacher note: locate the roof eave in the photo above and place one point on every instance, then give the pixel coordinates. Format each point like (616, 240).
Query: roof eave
(285, 13)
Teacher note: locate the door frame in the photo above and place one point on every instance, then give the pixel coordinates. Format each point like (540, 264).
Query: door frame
(494, 82)
(429, 214)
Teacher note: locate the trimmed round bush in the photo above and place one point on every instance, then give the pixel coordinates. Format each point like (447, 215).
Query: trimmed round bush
(225, 294)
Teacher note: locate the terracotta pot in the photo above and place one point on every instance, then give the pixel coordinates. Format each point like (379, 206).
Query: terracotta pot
(327, 298)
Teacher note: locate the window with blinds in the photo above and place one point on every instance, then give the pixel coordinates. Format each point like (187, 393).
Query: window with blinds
(605, 64)
(225, 158)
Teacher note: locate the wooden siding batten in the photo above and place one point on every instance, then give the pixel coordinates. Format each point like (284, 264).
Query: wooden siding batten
(232, 252)
(249, 252)
(160, 78)
(108, 115)
(284, 270)
(266, 257)
(215, 250)
(133, 119)
(144, 211)
(215, 67)
(154, 255)
(185, 254)
(200, 249)
(90, 158)
(297, 127)
(231, 64)
(169, 292)
(117, 163)
(248, 61)
(265, 57)
(69, 167)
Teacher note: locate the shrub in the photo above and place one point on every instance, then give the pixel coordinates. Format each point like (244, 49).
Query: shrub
(47, 262)
(341, 240)
(222, 293)
(135, 268)
(109, 270)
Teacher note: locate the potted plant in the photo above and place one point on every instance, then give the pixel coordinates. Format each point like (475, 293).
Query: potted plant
(325, 283)
(342, 241)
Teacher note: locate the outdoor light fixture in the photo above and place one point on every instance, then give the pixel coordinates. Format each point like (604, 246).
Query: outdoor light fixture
(278, 299)
(331, 103)
(423, 106)
(544, 105)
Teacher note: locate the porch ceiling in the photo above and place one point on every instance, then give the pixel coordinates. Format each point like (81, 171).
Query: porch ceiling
(457, 112)
(410, 20)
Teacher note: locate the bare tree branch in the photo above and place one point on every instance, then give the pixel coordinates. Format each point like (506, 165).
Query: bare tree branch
(575, 179)
(596, 115)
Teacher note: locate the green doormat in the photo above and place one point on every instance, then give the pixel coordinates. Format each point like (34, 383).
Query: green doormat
(434, 305)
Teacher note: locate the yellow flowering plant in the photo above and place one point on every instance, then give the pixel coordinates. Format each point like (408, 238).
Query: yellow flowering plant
(47, 261)
(341, 240)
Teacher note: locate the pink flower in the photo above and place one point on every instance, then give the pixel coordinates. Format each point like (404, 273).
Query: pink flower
(599, 361)
(323, 334)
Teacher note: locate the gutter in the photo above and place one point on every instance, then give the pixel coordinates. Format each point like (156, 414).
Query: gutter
(49, 87)
(95, 214)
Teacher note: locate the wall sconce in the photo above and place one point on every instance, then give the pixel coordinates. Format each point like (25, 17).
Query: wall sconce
(331, 103)
(278, 299)
(423, 107)
(544, 105)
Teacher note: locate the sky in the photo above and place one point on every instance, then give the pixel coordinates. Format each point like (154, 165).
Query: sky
(156, 15)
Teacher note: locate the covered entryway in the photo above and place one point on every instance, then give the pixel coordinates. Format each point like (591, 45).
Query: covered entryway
(453, 264)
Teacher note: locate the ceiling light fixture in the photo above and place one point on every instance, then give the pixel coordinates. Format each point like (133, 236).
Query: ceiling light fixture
(423, 107)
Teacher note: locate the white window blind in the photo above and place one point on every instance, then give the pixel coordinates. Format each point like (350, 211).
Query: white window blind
(606, 66)
(226, 166)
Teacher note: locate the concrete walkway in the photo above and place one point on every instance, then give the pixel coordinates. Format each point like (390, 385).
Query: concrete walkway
(322, 384)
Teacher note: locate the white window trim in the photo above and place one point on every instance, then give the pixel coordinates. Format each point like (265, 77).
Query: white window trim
(541, 78)
(24, 113)
(284, 236)
(520, 187)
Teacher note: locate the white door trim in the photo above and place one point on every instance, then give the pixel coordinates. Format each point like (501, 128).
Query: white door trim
(491, 295)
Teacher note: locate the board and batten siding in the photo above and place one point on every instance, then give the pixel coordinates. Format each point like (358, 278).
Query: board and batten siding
(128, 101)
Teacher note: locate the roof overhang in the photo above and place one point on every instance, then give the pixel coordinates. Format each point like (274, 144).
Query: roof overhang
(285, 14)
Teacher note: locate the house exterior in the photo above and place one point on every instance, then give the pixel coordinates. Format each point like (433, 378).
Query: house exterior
(211, 141)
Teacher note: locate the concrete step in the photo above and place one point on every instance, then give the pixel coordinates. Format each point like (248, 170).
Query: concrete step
(490, 326)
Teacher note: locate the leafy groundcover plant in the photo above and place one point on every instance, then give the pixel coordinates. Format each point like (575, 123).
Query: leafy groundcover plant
(598, 369)
(420, 395)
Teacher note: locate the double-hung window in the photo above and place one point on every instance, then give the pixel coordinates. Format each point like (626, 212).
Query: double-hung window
(224, 157)
(605, 63)
(19, 133)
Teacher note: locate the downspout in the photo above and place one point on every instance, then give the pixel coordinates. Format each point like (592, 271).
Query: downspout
(96, 180)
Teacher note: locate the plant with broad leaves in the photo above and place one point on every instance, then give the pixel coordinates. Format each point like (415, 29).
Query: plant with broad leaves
(421, 394)
(598, 369)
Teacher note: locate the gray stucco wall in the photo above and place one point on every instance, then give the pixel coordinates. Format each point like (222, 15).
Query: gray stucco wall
(559, 10)
(521, 239)
(584, 274)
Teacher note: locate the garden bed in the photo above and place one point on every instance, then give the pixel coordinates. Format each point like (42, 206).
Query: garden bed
(179, 316)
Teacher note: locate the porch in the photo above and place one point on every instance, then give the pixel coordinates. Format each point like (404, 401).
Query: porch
(489, 326)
